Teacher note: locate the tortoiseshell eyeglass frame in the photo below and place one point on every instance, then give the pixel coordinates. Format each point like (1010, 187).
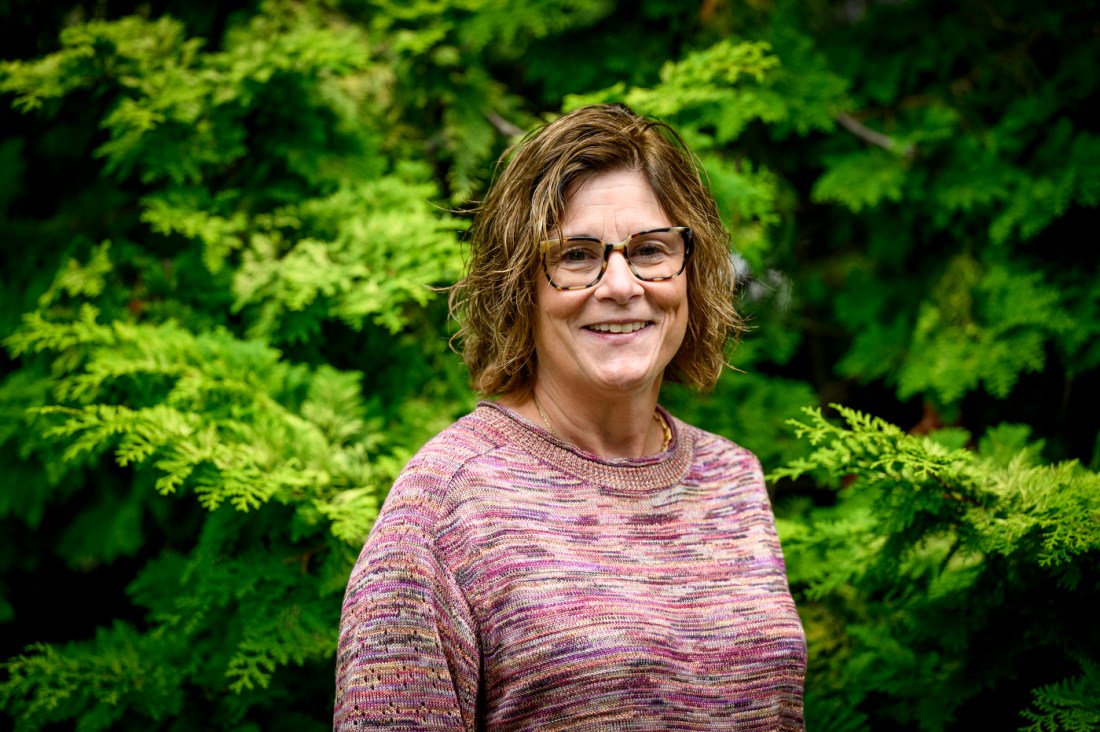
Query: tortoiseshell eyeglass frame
(684, 232)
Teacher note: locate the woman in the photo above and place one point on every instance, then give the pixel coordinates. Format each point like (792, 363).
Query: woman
(571, 556)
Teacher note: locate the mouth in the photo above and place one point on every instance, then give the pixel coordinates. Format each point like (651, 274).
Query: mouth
(618, 327)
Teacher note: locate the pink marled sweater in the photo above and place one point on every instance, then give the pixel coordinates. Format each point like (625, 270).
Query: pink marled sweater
(513, 582)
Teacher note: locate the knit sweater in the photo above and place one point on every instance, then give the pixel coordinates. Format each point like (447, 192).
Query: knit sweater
(515, 582)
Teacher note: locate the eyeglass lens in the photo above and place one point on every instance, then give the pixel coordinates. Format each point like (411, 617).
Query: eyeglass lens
(652, 255)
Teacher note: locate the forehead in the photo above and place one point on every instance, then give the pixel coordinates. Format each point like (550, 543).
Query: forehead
(616, 202)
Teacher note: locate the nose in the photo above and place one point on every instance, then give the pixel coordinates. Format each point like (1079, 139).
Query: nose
(618, 282)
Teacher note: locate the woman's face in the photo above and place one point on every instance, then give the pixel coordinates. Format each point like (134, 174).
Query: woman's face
(576, 352)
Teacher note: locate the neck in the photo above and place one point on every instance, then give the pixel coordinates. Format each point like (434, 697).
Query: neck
(622, 425)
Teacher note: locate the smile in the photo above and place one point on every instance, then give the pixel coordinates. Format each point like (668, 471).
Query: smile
(618, 327)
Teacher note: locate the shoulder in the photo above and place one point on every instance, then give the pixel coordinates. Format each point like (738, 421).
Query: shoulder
(720, 461)
(426, 482)
(709, 447)
(468, 439)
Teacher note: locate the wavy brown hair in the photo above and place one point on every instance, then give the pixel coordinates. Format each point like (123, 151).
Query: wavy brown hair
(495, 302)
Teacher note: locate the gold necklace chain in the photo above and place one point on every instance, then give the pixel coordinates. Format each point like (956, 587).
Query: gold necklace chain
(545, 419)
(665, 428)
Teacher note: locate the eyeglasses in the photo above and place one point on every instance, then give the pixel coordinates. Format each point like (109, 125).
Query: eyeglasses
(578, 262)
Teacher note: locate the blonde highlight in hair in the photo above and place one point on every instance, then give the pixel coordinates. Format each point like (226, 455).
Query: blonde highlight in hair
(495, 302)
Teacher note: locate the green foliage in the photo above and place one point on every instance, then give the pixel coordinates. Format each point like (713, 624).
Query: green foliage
(982, 326)
(862, 180)
(1068, 705)
(225, 231)
(231, 423)
(923, 530)
(263, 206)
(132, 673)
(359, 265)
(443, 52)
(702, 79)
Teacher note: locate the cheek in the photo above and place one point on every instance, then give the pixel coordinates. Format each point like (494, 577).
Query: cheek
(556, 306)
(553, 313)
(681, 306)
(677, 301)
(544, 307)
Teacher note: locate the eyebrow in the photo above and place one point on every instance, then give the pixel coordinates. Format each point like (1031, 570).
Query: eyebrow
(648, 227)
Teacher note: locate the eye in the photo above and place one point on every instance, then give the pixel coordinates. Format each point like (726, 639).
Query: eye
(648, 250)
(578, 254)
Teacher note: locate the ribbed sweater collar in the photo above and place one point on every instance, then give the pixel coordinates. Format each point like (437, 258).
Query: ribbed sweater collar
(644, 474)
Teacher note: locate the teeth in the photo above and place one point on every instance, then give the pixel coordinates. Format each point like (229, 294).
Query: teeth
(618, 327)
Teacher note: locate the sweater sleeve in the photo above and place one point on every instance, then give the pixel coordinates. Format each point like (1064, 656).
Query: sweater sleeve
(408, 656)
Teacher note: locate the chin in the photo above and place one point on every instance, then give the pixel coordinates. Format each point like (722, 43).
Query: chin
(629, 382)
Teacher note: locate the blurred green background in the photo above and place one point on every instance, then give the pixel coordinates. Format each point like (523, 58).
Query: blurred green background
(223, 227)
